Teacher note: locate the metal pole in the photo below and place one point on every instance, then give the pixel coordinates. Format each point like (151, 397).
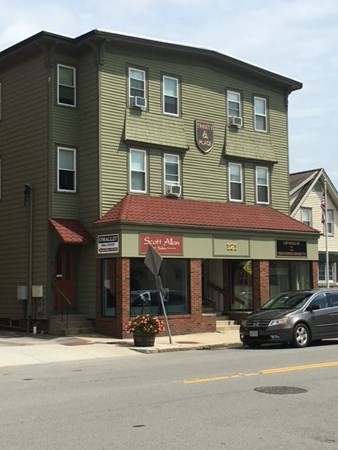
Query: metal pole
(327, 268)
(160, 289)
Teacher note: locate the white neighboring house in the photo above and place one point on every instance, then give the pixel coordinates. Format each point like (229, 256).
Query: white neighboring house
(306, 194)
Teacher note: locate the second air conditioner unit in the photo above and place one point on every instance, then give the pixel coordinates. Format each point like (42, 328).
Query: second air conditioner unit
(139, 102)
(172, 189)
(235, 121)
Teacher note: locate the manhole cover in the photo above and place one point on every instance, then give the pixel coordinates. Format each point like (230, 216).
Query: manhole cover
(280, 390)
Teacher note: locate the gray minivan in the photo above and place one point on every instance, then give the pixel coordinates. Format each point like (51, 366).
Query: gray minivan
(297, 318)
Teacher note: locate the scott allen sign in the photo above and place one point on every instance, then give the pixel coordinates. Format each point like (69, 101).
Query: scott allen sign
(164, 244)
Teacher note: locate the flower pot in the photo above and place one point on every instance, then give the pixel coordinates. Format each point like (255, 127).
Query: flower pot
(142, 339)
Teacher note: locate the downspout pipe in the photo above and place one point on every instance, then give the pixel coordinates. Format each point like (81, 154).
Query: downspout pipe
(28, 193)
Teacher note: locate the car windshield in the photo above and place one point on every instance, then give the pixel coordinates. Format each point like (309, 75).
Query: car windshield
(288, 300)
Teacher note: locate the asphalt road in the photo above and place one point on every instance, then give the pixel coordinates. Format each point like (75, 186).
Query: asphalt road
(183, 400)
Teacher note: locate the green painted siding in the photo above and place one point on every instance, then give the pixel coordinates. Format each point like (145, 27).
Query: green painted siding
(88, 188)
(64, 133)
(203, 97)
(24, 154)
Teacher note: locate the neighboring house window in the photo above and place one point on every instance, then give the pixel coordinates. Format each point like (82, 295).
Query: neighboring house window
(330, 229)
(137, 84)
(138, 170)
(235, 182)
(306, 216)
(66, 169)
(170, 96)
(234, 104)
(172, 169)
(260, 114)
(66, 85)
(262, 184)
(322, 272)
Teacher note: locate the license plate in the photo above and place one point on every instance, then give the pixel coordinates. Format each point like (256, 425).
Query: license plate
(253, 333)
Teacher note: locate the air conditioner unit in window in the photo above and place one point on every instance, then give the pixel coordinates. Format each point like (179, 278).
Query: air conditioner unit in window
(139, 102)
(235, 121)
(172, 189)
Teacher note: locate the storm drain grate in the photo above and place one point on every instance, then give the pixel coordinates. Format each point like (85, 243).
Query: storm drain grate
(280, 390)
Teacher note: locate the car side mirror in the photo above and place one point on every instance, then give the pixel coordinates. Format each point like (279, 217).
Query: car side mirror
(314, 307)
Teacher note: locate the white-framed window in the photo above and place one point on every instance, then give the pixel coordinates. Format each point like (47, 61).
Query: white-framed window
(66, 85)
(330, 222)
(66, 164)
(262, 185)
(137, 84)
(138, 170)
(170, 96)
(235, 182)
(322, 272)
(234, 104)
(260, 114)
(171, 169)
(306, 216)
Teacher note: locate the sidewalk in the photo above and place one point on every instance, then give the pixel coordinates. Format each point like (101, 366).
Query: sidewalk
(20, 348)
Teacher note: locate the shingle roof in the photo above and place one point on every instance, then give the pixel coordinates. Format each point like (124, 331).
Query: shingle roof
(203, 214)
(298, 178)
(71, 231)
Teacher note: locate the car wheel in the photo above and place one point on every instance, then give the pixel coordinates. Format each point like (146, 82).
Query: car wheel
(301, 335)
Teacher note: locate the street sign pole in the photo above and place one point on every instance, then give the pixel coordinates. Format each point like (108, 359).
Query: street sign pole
(153, 261)
(160, 289)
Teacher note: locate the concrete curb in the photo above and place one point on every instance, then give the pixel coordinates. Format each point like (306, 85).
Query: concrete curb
(183, 349)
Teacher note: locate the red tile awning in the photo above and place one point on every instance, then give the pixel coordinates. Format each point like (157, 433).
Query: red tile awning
(151, 210)
(71, 231)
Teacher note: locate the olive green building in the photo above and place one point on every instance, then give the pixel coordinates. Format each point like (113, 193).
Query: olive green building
(110, 144)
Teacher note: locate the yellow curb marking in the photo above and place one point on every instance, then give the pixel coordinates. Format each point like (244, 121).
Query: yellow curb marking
(265, 372)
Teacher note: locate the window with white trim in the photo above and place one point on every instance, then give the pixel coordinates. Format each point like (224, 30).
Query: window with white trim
(329, 218)
(306, 216)
(234, 104)
(66, 85)
(137, 84)
(170, 96)
(235, 182)
(138, 172)
(260, 114)
(171, 169)
(66, 163)
(322, 272)
(262, 185)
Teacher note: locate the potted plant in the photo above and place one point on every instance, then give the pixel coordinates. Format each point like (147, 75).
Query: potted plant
(144, 329)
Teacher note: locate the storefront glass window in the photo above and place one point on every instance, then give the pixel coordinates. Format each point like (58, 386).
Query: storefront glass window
(241, 276)
(144, 297)
(289, 276)
(108, 287)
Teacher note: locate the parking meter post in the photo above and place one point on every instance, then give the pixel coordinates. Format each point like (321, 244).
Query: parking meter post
(160, 289)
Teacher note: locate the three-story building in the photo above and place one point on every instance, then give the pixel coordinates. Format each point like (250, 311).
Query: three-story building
(111, 143)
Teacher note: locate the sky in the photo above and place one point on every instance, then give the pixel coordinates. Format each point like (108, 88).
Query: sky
(295, 38)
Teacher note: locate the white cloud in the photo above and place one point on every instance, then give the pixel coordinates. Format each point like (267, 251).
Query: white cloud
(291, 37)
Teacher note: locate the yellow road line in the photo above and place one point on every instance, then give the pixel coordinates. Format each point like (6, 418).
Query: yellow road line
(264, 372)
(294, 368)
